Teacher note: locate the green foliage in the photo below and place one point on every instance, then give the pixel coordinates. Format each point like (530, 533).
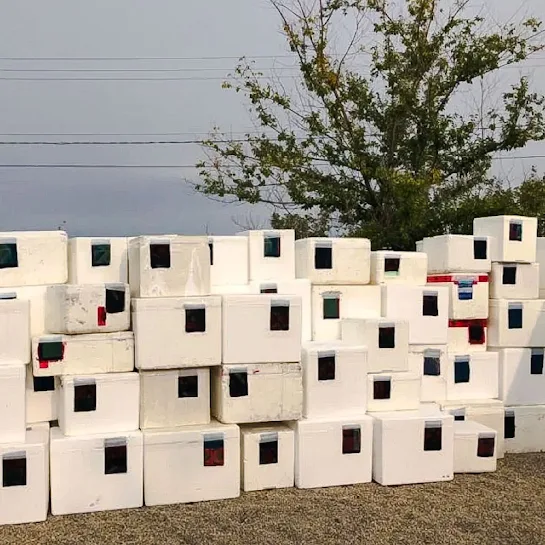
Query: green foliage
(384, 155)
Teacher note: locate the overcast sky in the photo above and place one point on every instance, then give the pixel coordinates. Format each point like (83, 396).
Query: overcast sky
(196, 43)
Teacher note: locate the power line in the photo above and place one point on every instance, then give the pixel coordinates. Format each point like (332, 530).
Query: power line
(257, 69)
(139, 59)
(197, 78)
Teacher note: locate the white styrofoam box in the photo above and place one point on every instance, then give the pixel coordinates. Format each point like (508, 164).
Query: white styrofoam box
(472, 376)
(393, 392)
(98, 260)
(334, 379)
(334, 261)
(271, 392)
(229, 261)
(104, 403)
(488, 412)
(468, 294)
(430, 362)
(419, 245)
(12, 402)
(300, 287)
(424, 307)
(33, 258)
(467, 336)
(41, 398)
(388, 267)
(336, 451)
(516, 324)
(99, 472)
(244, 289)
(521, 376)
(267, 457)
(14, 329)
(474, 448)
(24, 492)
(191, 463)
(89, 308)
(264, 328)
(175, 332)
(271, 254)
(540, 258)
(457, 253)
(169, 266)
(36, 296)
(83, 354)
(513, 238)
(515, 281)
(524, 429)
(411, 447)
(387, 342)
(175, 397)
(331, 304)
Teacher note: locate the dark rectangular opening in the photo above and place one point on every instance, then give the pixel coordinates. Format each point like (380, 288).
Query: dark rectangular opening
(269, 290)
(115, 300)
(271, 246)
(461, 371)
(8, 255)
(188, 386)
(479, 249)
(115, 459)
(433, 437)
(211, 252)
(382, 389)
(331, 308)
(195, 320)
(509, 425)
(280, 317)
(509, 275)
(386, 337)
(391, 265)
(53, 351)
(515, 231)
(476, 334)
(323, 257)
(159, 255)
(13, 470)
(85, 398)
(485, 447)
(268, 452)
(238, 384)
(432, 366)
(213, 452)
(536, 363)
(351, 440)
(430, 305)
(326, 367)
(43, 384)
(459, 417)
(514, 318)
(101, 255)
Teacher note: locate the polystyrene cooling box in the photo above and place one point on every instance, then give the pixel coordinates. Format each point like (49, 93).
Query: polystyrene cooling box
(99, 472)
(334, 451)
(474, 448)
(430, 362)
(457, 253)
(412, 447)
(33, 258)
(41, 398)
(12, 402)
(267, 457)
(89, 308)
(176, 397)
(424, 307)
(271, 254)
(389, 267)
(387, 342)
(83, 354)
(472, 376)
(468, 294)
(515, 280)
(516, 324)
(191, 464)
(176, 332)
(524, 429)
(271, 392)
(36, 297)
(540, 258)
(334, 379)
(169, 266)
(513, 238)
(467, 336)
(24, 474)
(393, 391)
(331, 304)
(229, 261)
(333, 261)
(263, 328)
(14, 329)
(98, 260)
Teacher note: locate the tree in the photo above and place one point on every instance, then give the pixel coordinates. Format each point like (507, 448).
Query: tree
(387, 154)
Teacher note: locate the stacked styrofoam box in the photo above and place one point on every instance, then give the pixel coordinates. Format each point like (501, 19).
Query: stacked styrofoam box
(517, 326)
(29, 262)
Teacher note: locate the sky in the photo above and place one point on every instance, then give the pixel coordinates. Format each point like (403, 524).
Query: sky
(176, 54)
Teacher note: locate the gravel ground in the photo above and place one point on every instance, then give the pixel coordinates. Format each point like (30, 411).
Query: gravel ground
(503, 508)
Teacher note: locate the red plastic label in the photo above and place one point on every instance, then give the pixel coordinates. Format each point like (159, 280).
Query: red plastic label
(101, 318)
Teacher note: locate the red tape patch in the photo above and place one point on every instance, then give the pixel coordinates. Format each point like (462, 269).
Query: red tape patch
(101, 316)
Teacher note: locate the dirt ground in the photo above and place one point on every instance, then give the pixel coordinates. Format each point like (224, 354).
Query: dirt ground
(503, 508)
